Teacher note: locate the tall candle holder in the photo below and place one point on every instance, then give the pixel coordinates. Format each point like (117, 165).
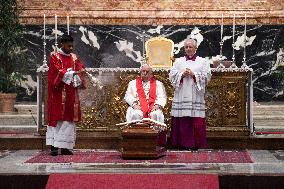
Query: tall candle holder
(44, 44)
(244, 62)
(56, 44)
(144, 58)
(233, 65)
(221, 65)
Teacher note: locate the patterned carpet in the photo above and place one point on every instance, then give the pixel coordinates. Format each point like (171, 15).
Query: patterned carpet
(204, 156)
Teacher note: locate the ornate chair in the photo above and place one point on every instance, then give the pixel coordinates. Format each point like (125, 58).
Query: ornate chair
(159, 52)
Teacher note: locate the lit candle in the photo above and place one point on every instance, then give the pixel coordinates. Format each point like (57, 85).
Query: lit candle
(222, 25)
(67, 24)
(43, 26)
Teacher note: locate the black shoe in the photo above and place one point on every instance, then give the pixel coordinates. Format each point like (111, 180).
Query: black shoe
(184, 148)
(53, 151)
(194, 149)
(65, 151)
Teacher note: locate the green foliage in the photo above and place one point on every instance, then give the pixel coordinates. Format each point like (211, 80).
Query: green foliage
(12, 51)
(9, 82)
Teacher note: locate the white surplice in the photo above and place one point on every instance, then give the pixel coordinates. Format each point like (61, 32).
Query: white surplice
(62, 136)
(189, 95)
(131, 97)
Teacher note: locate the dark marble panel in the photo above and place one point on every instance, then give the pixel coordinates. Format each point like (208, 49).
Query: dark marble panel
(122, 46)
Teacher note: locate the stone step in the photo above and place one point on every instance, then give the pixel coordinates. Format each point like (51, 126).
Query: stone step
(268, 123)
(270, 128)
(26, 108)
(18, 129)
(269, 107)
(14, 119)
(268, 117)
(268, 112)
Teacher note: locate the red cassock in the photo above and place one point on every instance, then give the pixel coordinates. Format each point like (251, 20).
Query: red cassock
(63, 103)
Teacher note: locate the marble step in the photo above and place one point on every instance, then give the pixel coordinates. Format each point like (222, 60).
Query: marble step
(18, 129)
(268, 117)
(270, 128)
(268, 112)
(25, 109)
(14, 119)
(268, 123)
(268, 109)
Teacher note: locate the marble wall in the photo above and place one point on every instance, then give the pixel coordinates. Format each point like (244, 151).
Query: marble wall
(122, 46)
(110, 33)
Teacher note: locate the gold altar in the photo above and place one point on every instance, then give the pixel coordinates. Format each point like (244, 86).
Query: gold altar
(227, 100)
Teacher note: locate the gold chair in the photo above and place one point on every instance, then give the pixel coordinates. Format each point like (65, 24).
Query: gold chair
(159, 52)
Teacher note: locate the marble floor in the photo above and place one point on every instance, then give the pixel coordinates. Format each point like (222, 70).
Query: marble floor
(265, 162)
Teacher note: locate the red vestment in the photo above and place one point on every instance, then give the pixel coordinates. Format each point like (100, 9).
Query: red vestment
(146, 105)
(63, 100)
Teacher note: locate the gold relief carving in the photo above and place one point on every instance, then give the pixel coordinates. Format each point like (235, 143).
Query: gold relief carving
(234, 103)
(226, 102)
(106, 106)
(102, 109)
(213, 102)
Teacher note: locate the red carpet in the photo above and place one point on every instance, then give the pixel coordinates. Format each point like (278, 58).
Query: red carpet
(132, 181)
(215, 156)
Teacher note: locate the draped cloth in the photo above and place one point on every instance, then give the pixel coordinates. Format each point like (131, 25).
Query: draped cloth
(63, 103)
(146, 104)
(188, 126)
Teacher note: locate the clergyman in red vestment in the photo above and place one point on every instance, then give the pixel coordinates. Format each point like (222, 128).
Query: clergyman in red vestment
(64, 81)
(146, 96)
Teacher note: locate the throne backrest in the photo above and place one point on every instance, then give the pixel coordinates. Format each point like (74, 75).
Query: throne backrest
(159, 52)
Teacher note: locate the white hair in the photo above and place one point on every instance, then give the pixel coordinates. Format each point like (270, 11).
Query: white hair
(191, 40)
(145, 65)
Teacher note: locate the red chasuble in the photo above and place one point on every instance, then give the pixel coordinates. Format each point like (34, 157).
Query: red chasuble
(146, 105)
(63, 100)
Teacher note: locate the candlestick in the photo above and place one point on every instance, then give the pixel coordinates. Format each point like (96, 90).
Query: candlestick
(55, 32)
(244, 65)
(44, 43)
(245, 36)
(233, 65)
(67, 24)
(43, 26)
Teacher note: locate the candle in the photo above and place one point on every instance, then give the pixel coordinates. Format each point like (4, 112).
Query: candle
(55, 30)
(245, 32)
(67, 24)
(234, 22)
(222, 25)
(43, 26)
